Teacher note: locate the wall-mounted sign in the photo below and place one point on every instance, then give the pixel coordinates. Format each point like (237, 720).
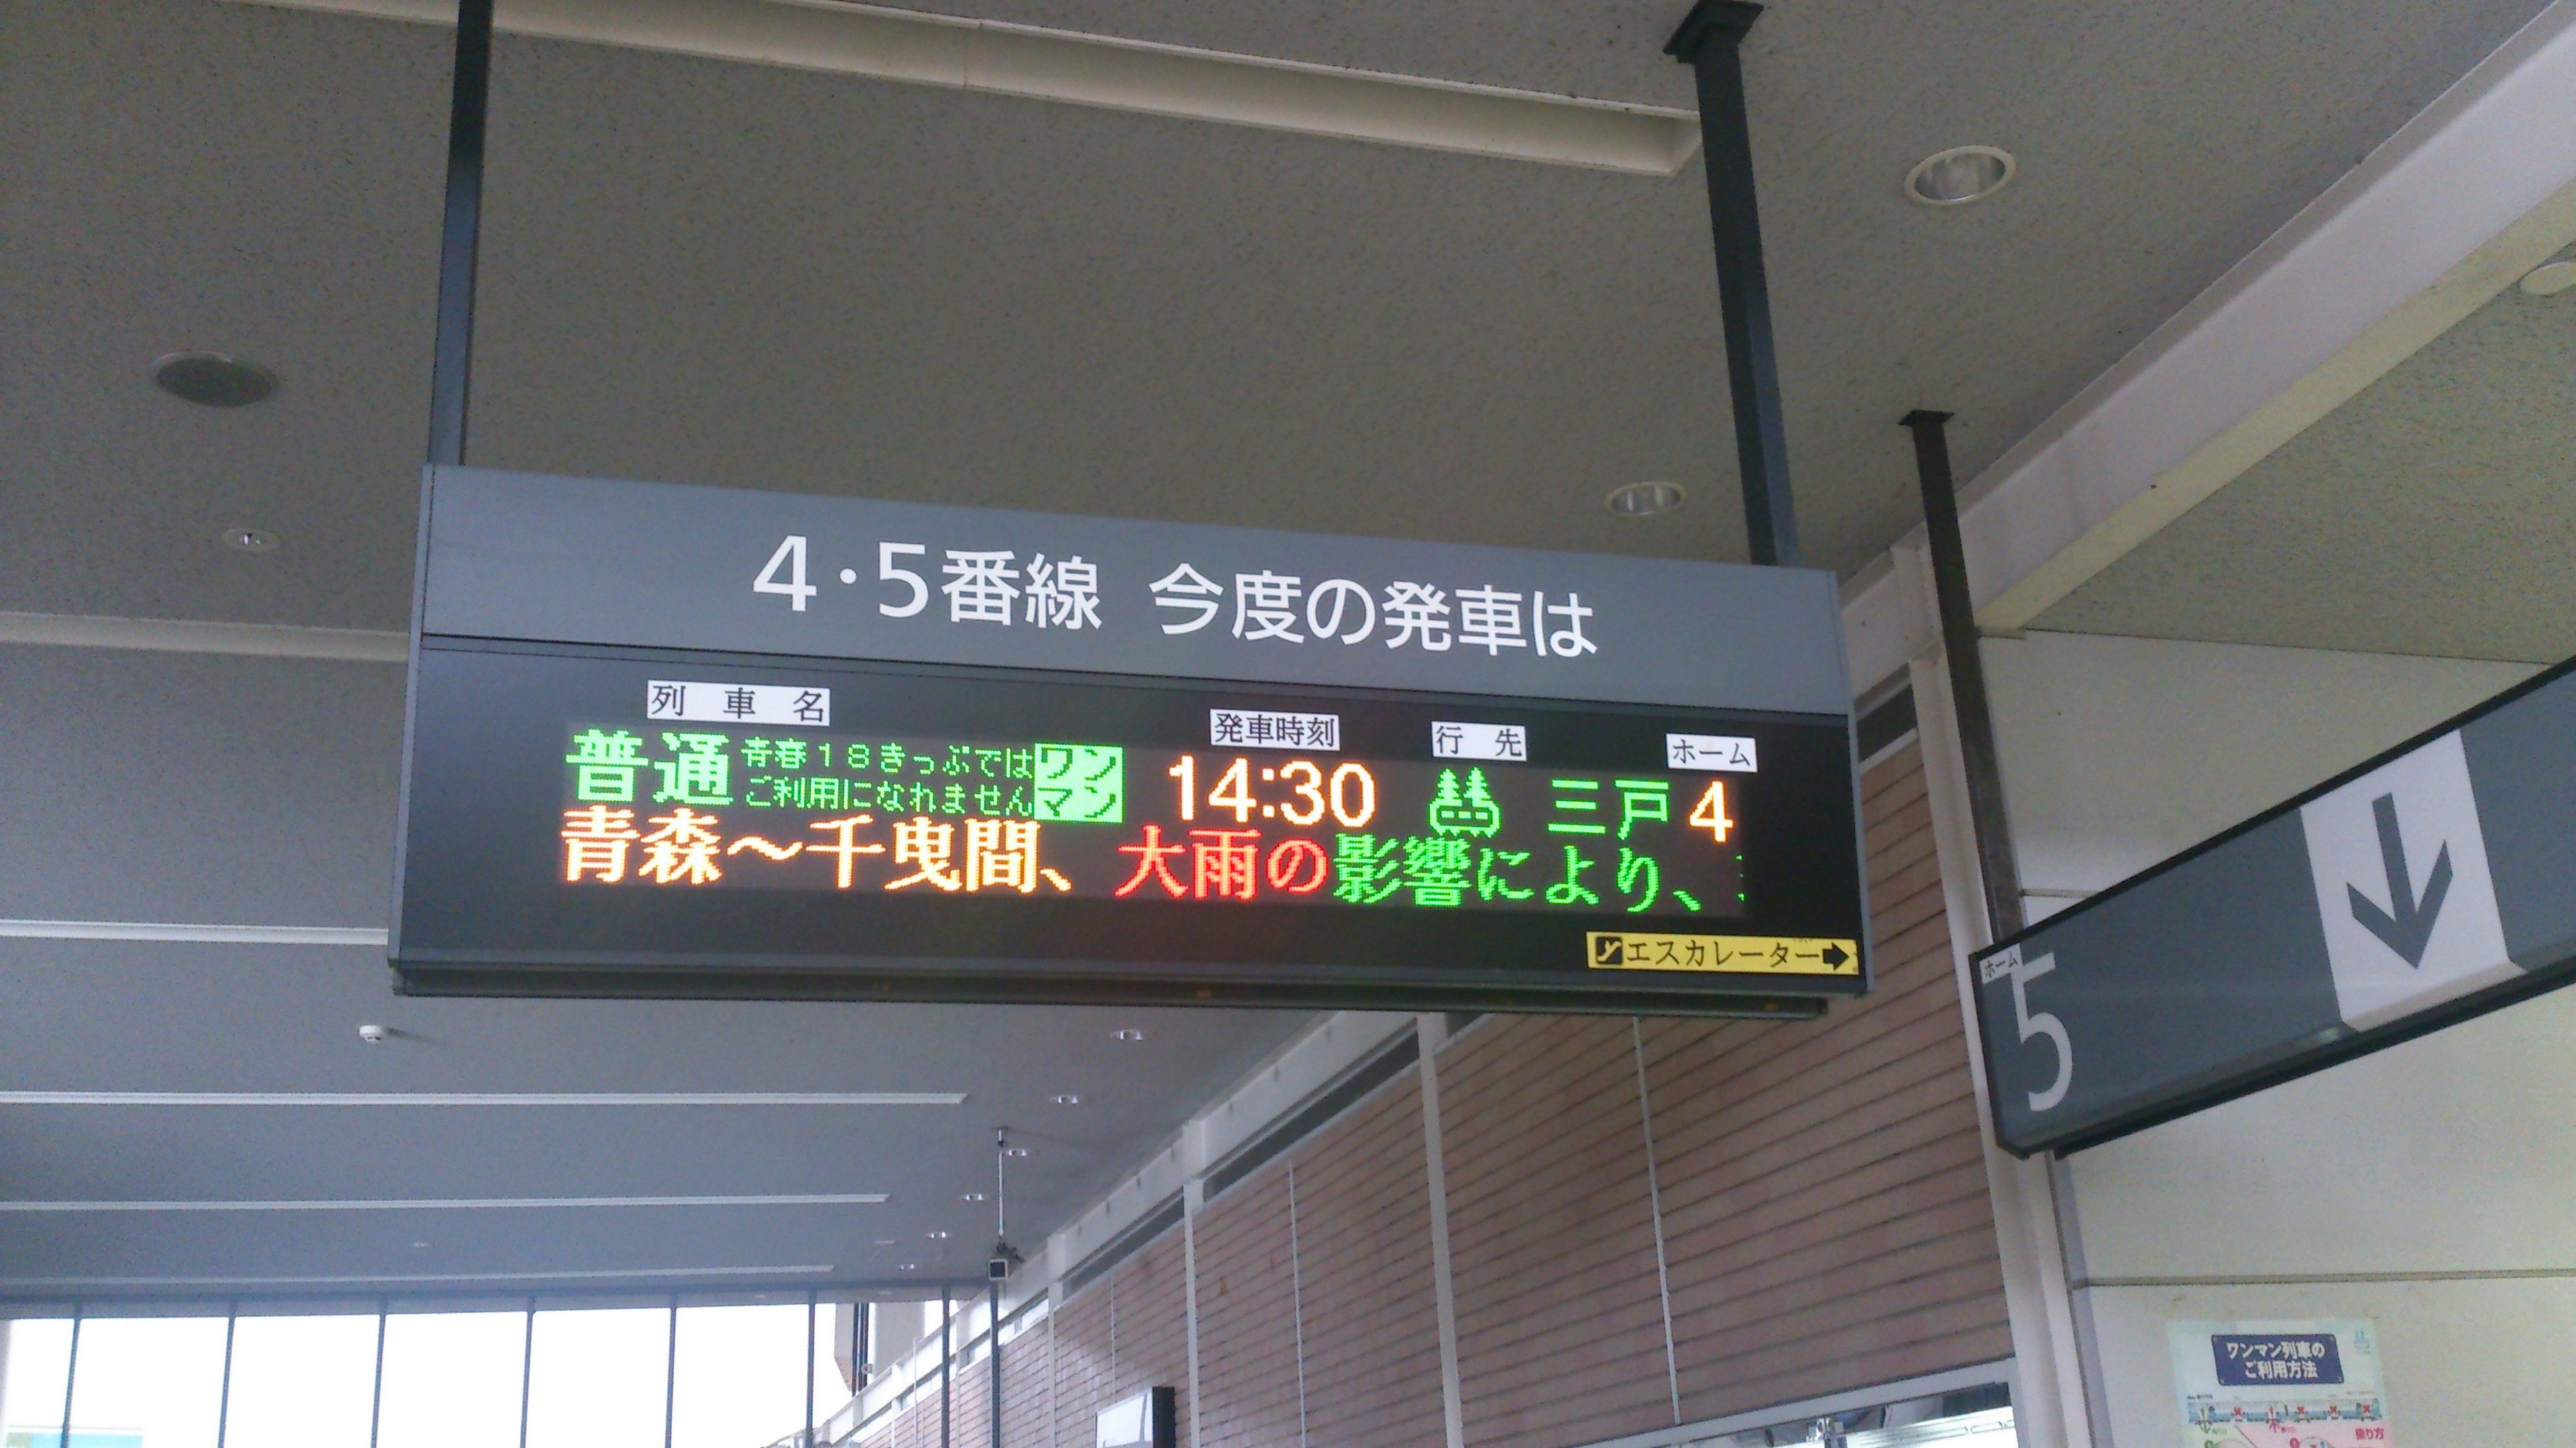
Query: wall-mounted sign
(2306, 1384)
(2429, 884)
(623, 807)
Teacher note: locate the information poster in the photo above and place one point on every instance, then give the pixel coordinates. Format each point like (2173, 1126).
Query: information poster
(2301, 1384)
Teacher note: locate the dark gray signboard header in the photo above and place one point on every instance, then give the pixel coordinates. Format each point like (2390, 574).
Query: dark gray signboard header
(2433, 882)
(526, 556)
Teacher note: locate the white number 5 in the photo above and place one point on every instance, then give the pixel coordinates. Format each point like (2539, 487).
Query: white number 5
(887, 553)
(791, 552)
(2042, 1024)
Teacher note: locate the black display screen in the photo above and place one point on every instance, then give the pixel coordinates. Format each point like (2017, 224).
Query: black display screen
(595, 820)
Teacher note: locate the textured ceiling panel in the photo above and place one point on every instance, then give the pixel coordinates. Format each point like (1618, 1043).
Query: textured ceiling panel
(2435, 513)
(732, 274)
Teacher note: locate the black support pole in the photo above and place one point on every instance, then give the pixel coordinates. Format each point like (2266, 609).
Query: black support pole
(527, 1370)
(224, 1399)
(71, 1378)
(993, 1361)
(451, 364)
(376, 1399)
(671, 1373)
(1967, 672)
(1708, 42)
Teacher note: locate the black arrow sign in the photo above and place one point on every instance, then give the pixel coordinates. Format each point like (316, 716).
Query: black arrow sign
(2409, 928)
(1834, 955)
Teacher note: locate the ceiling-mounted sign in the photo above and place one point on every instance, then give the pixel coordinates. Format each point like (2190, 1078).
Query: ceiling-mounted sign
(672, 740)
(2432, 883)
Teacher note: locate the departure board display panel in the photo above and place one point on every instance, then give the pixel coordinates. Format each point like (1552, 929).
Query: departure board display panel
(631, 821)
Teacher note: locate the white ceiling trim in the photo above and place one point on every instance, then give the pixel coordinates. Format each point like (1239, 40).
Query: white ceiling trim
(450, 1204)
(482, 1098)
(2462, 201)
(611, 1274)
(187, 636)
(192, 934)
(1037, 63)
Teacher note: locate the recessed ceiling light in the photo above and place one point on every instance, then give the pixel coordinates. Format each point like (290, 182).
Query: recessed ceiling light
(1015, 1151)
(420, 1244)
(938, 1236)
(970, 1196)
(1643, 500)
(1068, 1099)
(2550, 280)
(248, 540)
(211, 379)
(910, 1267)
(1127, 1033)
(1960, 175)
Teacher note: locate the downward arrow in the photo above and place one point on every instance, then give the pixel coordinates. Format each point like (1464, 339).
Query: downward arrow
(2409, 928)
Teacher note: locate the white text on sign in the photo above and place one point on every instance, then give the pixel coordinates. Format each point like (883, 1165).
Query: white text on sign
(1259, 729)
(1709, 751)
(701, 702)
(1479, 741)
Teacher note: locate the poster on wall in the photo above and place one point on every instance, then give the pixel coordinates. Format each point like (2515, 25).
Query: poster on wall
(2313, 1383)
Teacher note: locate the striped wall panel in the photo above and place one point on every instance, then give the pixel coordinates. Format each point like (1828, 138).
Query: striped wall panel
(1082, 1351)
(1028, 1387)
(1551, 1236)
(1364, 1248)
(1153, 1325)
(1248, 1329)
(1826, 1216)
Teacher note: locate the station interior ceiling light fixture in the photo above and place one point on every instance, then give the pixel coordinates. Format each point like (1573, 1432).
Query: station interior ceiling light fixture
(211, 379)
(249, 540)
(1643, 500)
(1960, 175)
(2550, 280)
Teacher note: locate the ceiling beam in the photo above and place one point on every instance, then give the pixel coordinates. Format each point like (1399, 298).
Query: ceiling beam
(192, 636)
(656, 1099)
(2455, 207)
(1036, 63)
(445, 1204)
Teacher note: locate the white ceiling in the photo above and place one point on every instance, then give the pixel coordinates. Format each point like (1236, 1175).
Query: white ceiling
(709, 272)
(705, 272)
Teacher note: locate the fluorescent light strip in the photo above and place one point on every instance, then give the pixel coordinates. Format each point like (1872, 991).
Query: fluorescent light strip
(192, 934)
(1037, 63)
(191, 636)
(809, 1269)
(454, 1204)
(482, 1098)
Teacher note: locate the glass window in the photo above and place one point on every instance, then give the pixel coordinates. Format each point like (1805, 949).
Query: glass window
(741, 1378)
(598, 1379)
(302, 1382)
(159, 1379)
(452, 1380)
(39, 1351)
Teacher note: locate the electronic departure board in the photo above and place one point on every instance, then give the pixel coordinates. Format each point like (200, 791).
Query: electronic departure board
(1121, 838)
(585, 815)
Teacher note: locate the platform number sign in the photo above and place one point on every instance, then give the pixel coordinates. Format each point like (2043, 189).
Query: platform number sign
(791, 556)
(2038, 1030)
(2420, 888)
(680, 741)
